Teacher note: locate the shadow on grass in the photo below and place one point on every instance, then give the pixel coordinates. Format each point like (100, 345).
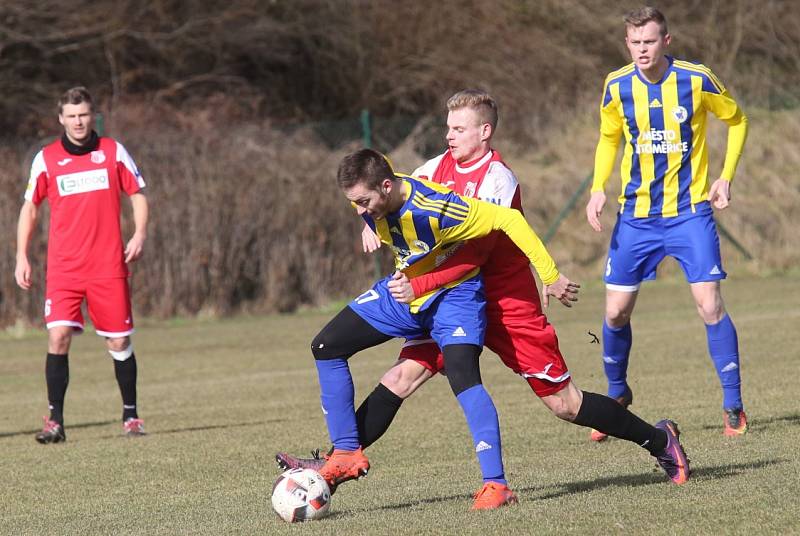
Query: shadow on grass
(214, 427)
(157, 432)
(70, 427)
(770, 422)
(569, 488)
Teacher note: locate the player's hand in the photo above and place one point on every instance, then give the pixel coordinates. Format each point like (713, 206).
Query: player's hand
(594, 208)
(720, 194)
(563, 289)
(369, 240)
(135, 247)
(400, 287)
(22, 273)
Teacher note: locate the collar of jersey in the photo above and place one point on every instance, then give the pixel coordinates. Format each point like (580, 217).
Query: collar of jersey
(664, 76)
(78, 150)
(478, 163)
(412, 190)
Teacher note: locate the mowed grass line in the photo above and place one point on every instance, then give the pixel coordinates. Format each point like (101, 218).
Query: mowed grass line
(220, 397)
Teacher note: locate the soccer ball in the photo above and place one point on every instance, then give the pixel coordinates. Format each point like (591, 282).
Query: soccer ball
(301, 495)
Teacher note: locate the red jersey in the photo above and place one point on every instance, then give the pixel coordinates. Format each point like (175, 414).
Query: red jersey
(85, 239)
(509, 283)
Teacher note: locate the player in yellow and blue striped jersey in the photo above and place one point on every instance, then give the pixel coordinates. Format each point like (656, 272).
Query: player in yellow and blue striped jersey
(659, 105)
(422, 222)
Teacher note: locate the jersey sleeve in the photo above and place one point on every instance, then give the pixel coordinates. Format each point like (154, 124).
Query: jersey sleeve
(610, 132)
(470, 255)
(426, 170)
(483, 218)
(718, 101)
(499, 185)
(36, 190)
(130, 178)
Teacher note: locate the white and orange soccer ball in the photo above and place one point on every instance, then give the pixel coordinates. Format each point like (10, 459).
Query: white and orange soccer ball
(301, 495)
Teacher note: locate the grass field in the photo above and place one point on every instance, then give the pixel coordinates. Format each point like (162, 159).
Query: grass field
(220, 397)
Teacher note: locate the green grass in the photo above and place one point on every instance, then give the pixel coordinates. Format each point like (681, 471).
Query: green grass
(220, 397)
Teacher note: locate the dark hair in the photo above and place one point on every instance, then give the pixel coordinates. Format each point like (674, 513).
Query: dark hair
(75, 95)
(364, 167)
(643, 15)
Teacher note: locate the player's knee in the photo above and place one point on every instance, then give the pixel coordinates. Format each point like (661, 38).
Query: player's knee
(325, 346)
(711, 309)
(617, 316)
(565, 404)
(120, 348)
(402, 382)
(59, 340)
(461, 363)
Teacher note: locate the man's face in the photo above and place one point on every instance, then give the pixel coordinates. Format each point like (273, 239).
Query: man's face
(646, 45)
(77, 120)
(467, 138)
(373, 202)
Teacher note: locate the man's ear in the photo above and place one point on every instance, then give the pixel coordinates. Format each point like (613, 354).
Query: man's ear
(486, 131)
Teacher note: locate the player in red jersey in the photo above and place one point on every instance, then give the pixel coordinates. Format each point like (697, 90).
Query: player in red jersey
(82, 176)
(517, 330)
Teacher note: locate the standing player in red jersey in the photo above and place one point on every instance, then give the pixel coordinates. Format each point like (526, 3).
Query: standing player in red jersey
(82, 176)
(517, 330)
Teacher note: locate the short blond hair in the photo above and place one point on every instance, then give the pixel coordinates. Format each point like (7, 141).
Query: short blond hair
(479, 101)
(639, 17)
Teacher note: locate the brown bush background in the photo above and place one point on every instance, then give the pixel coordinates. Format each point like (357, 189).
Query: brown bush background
(238, 113)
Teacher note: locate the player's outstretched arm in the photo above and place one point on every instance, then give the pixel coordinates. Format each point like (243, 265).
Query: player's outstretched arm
(594, 208)
(562, 289)
(25, 226)
(135, 246)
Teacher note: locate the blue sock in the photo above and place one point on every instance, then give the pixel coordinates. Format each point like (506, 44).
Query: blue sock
(485, 429)
(337, 392)
(723, 345)
(616, 350)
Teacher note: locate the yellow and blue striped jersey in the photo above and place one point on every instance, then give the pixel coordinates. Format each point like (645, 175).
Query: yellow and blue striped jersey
(434, 219)
(665, 161)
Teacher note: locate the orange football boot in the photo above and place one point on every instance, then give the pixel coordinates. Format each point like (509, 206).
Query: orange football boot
(493, 495)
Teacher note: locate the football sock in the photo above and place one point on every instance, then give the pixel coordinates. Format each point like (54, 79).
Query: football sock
(606, 415)
(126, 372)
(723, 345)
(485, 429)
(616, 349)
(56, 373)
(375, 414)
(336, 395)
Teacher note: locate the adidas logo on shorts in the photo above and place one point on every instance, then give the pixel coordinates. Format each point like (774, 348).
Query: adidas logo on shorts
(459, 332)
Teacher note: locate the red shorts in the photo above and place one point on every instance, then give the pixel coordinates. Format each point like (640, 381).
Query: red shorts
(527, 345)
(108, 302)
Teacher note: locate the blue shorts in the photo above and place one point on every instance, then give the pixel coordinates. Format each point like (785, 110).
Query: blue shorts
(456, 316)
(638, 245)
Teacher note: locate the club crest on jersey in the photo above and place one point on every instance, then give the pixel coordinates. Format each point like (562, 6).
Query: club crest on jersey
(98, 157)
(680, 114)
(422, 246)
(469, 189)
